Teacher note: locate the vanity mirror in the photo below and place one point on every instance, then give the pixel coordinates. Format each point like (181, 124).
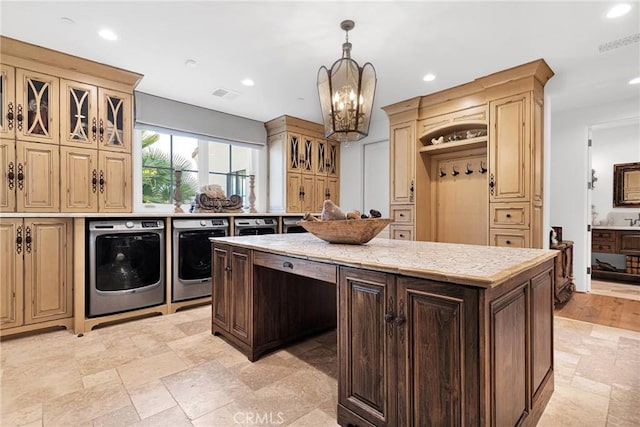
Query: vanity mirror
(626, 185)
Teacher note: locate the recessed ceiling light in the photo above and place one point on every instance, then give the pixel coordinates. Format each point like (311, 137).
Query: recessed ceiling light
(618, 10)
(107, 34)
(429, 77)
(67, 20)
(190, 63)
(634, 81)
(248, 82)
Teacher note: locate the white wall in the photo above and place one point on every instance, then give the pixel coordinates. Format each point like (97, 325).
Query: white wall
(570, 172)
(352, 165)
(612, 145)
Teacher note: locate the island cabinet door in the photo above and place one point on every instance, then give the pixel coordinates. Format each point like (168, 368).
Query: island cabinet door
(438, 357)
(220, 293)
(232, 296)
(241, 295)
(366, 345)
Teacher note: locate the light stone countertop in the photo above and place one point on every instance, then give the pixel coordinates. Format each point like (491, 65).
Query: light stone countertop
(616, 227)
(481, 266)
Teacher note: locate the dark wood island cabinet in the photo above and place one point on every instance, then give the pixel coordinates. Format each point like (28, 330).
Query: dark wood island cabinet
(428, 333)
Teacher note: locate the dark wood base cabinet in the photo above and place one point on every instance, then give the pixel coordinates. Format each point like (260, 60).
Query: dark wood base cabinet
(416, 352)
(411, 351)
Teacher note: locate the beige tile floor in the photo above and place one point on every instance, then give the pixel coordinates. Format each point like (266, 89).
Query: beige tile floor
(170, 371)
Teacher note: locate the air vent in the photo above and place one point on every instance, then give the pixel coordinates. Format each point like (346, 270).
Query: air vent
(625, 41)
(225, 93)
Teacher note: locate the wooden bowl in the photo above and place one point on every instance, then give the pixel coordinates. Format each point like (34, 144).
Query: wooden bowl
(348, 231)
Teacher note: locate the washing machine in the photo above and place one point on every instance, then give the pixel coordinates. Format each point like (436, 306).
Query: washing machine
(255, 226)
(192, 255)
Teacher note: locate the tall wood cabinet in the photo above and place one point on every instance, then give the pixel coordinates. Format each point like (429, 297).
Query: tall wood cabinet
(466, 163)
(304, 166)
(66, 132)
(36, 276)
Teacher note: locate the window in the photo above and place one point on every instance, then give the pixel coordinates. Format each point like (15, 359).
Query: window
(201, 163)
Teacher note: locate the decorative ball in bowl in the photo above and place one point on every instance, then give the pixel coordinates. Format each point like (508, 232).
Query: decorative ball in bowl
(347, 231)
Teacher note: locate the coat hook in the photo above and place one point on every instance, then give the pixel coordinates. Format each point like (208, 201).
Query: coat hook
(468, 171)
(482, 168)
(442, 173)
(455, 172)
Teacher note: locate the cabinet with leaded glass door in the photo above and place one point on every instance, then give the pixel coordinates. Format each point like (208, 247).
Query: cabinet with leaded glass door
(304, 167)
(327, 181)
(30, 107)
(95, 117)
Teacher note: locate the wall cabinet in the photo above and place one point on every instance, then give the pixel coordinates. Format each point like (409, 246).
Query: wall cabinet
(32, 176)
(95, 181)
(30, 107)
(232, 298)
(492, 130)
(304, 167)
(73, 103)
(412, 351)
(36, 279)
(95, 117)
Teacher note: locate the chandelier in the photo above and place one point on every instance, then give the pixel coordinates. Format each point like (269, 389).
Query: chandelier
(346, 94)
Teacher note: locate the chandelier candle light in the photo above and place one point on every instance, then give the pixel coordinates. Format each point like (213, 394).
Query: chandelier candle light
(346, 94)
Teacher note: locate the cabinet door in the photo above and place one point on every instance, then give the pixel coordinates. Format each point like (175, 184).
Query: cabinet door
(437, 354)
(542, 297)
(37, 109)
(114, 182)
(114, 125)
(333, 190)
(7, 101)
(11, 289)
(39, 165)
(294, 192)
(402, 153)
(79, 127)
(320, 192)
(220, 276)
(366, 345)
(79, 180)
(510, 149)
(327, 158)
(8, 172)
(308, 197)
(240, 294)
(48, 268)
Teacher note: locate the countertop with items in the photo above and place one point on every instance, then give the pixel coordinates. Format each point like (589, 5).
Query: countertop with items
(482, 266)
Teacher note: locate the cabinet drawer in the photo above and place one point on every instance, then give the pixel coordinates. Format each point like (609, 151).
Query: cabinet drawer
(629, 243)
(604, 236)
(301, 267)
(605, 247)
(402, 213)
(509, 238)
(510, 215)
(403, 232)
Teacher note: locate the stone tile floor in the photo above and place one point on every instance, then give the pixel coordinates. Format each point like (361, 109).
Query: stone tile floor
(170, 371)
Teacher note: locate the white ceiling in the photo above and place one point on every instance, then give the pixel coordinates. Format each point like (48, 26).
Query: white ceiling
(281, 45)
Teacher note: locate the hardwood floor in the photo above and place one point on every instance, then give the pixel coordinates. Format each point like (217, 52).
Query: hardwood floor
(603, 310)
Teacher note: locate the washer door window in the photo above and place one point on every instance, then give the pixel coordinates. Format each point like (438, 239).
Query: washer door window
(194, 260)
(127, 261)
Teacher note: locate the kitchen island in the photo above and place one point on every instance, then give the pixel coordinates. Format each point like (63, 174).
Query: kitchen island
(428, 333)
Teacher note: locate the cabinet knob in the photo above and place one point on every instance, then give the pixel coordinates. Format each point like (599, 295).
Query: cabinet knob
(508, 215)
(287, 264)
(10, 176)
(508, 242)
(20, 176)
(227, 268)
(19, 117)
(401, 214)
(401, 235)
(10, 116)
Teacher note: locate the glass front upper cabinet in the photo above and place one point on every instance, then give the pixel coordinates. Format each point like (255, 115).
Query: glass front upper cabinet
(36, 110)
(114, 124)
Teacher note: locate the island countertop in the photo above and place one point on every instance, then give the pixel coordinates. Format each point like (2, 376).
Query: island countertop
(481, 266)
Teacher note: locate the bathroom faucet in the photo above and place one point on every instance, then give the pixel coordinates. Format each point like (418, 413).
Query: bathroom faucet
(633, 222)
